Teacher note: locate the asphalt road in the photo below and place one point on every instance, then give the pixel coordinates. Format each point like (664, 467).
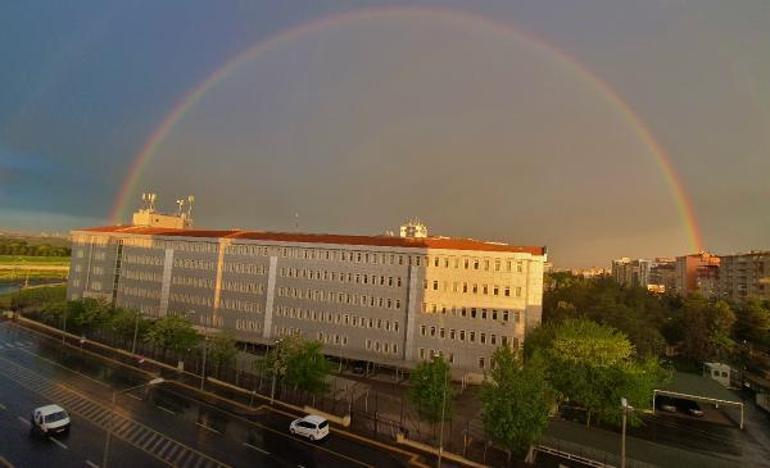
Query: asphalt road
(154, 426)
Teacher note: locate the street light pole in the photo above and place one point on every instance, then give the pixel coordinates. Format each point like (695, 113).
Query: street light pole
(276, 368)
(110, 423)
(626, 408)
(136, 334)
(443, 413)
(205, 353)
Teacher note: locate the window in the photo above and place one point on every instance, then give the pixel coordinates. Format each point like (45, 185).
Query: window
(473, 312)
(518, 291)
(476, 264)
(493, 339)
(505, 316)
(465, 287)
(423, 330)
(435, 285)
(432, 331)
(482, 363)
(519, 266)
(507, 291)
(462, 335)
(486, 265)
(485, 289)
(497, 265)
(422, 353)
(472, 336)
(483, 338)
(442, 333)
(435, 261)
(508, 265)
(496, 290)
(451, 333)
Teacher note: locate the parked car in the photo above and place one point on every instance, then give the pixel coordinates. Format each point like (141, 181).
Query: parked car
(50, 419)
(692, 408)
(359, 367)
(666, 404)
(313, 427)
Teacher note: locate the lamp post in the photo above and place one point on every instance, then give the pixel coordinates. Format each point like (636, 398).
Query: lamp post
(155, 381)
(443, 413)
(205, 353)
(276, 368)
(626, 408)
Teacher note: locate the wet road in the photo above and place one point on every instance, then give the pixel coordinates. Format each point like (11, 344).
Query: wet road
(160, 425)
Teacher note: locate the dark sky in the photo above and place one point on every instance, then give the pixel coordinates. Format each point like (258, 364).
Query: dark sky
(459, 118)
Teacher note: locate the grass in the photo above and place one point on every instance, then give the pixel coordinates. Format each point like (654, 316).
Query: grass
(10, 275)
(29, 259)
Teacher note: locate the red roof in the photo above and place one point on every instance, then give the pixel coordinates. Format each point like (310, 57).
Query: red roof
(385, 241)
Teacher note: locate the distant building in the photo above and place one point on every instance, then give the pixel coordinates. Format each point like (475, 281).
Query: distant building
(697, 273)
(392, 300)
(662, 276)
(592, 272)
(745, 275)
(634, 273)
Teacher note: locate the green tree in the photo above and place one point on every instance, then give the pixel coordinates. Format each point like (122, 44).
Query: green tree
(172, 333)
(430, 390)
(594, 366)
(753, 322)
(124, 322)
(299, 363)
(516, 400)
(707, 327)
(222, 351)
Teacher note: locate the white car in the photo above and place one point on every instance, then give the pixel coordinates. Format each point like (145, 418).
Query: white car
(50, 419)
(313, 427)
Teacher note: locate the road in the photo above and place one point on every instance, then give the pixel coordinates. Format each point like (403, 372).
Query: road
(163, 425)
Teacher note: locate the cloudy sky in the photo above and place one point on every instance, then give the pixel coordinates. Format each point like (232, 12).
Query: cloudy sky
(524, 122)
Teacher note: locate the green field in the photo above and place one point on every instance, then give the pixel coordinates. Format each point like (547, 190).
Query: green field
(30, 259)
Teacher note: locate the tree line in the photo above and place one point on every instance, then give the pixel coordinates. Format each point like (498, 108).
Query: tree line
(22, 247)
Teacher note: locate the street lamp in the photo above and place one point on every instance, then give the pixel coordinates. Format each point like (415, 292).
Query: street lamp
(276, 368)
(155, 381)
(626, 408)
(437, 356)
(205, 353)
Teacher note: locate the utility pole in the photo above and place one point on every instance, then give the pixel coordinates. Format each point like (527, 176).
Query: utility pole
(136, 334)
(443, 413)
(205, 352)
(626, 408)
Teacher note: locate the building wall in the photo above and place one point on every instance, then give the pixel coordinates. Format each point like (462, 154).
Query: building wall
(743, 276)
(393, 305)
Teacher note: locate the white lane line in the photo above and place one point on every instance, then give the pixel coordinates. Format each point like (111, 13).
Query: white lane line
(258, 449)
(134, 397)
(58, 442)
(91, 464)
(25, 421)
(209, 428)
(2, 407)
(165, 409)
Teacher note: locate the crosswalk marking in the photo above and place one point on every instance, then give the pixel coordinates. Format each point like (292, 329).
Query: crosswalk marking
(135, 433)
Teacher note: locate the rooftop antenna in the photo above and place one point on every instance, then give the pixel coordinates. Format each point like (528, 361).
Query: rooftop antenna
(151, 197)
(296, 221)
(180, 206)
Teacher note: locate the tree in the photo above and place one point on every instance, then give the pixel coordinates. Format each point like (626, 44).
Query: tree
(516, 400)
(125, 322)
(706, 329)
(753, 322)
(172, 333)
(430, 391)
(299, 363)
(593, 365)
(222, 351)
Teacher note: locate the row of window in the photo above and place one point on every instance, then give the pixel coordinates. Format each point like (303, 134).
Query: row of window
(193, 281)
(342, 298)
(473, 312)
(357, 278)
(140, 292)
(464, 336)
(191, 299)
(381, 347)
(143, 259)
(194, 264)
(485, 264)
(239, 286)
(427, 354)
(240, 306)
(246, 268)
(474, 288)
(248, 325)
(211, 320)
(141, 275)
(339, 319)
(328, 338)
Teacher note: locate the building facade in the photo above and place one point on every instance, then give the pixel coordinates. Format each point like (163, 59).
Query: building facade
(386, 299)
(696, 273)
(634, 273)
(662, 276)
(745, 275)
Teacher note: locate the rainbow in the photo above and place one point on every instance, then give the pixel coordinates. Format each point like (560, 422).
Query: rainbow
(683, 203)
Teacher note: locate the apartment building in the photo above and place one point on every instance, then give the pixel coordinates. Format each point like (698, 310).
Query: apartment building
(386, 299)
(745, 275)
(628, 272)
(696, 273)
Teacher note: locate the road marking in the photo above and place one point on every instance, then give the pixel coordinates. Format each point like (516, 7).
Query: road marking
(25, 421)
(5, 463)
(163, 408)
(208, 428)
(258, 449)
(65, 367)
(135, 397)
(91, 464)
(2, 407)
(58, 442)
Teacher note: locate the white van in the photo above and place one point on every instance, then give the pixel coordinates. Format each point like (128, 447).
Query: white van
(313, 427)
(50, 419)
